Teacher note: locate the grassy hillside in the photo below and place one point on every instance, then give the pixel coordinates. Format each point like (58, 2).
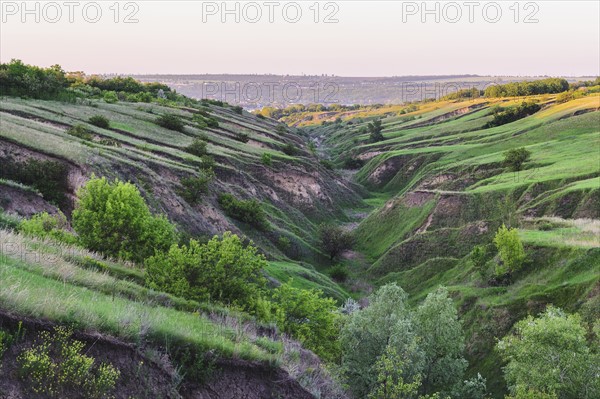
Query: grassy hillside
(439, 187)
(295, 191)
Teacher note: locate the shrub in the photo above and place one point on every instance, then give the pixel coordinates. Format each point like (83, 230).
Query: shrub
(114, 219)
(222, 270)
(242, 137)
(45, 225)
(309, 317)
(334, 240)
(238, 110)
(80, 132)
(110, 97)
(56, 367)
(260, 116)
(170, 121)
(284, 243)
(478, 258)
(516, 157)
(339, 273)
(375, 128)
(327, 164)
(290, 149)
(247, 211)
(194, 187)
(510, 249)
(267, 159)
(506, 115)
(100, 121)
(198, 147)
(281, 129)
(51, 178)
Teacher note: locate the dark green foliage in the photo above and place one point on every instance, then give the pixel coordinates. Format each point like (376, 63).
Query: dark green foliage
(110, 97)
(339, 273)
(260, 116)
(48, 177)
(544, 86)
(510, 114)
(516, 157)
(222, 270)
(375, 128)
(19, 79)
(281, 129)
(114, 219)
(242, 137)
(170, 121)
(353, 163)
(478, 258)
(290, 149)
(238, 110)
(100, 121)
(198, 147)
(80, 132)
(266, 159)
(195, 187)
(463, 93)
(334, 240)
(327, 164)
(204, 120)
(247, 211)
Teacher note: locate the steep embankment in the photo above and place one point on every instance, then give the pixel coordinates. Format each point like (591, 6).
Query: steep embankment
(39, 155)
(440, 188)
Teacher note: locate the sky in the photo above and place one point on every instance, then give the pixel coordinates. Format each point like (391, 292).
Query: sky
(345, 38)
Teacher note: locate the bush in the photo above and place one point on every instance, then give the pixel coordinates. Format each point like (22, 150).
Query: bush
(56, 367)
(114, 219)
(510, 249)
(242, 137)
(290, 149)
(170, 121)
(198, 147)
(375, 128)
(51, 178)
(222, 270)
(110, 97)
(339, 273)
(281, 129)
(247, 211)
(260, 116)
(204, 120)
(334, 240)
(506, 115)
(267, 159)
(100, 121)
(327, 164)
(478, 258)
(310, 318)
(80, 132)
(516, 157)
(45, 225)
(195, 187)
(238, 110)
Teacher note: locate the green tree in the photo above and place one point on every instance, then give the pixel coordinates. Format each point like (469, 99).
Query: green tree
(46, 225)
(549, 354)
(510, 248)
(334, 239)
(478, 258)
(442, 340)
(390, 382)
(114, 219)
(385, 325)
(309, 317)
(170, 121)
(198, 147)
(222, 270)
(516, 157)
(375, 128)
(110, 97)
